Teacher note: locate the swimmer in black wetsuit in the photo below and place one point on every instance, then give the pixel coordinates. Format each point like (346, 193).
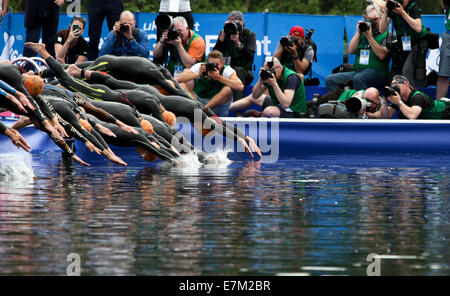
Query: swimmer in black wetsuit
(12, 75)
(178, 105)
(144, 146)
(139, 70)
(69, 116)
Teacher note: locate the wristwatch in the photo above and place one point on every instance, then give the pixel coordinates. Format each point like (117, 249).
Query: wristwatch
(400, 103)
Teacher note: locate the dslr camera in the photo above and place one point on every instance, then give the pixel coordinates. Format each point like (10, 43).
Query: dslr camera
(288, 41)
(390, 91)
(364, 26)
(391, 4)
(232, 28)
(268, 73)
(172, 34)
(210, 66)
(123, 27)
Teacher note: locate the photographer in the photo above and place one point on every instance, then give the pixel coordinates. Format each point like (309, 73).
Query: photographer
(294, 53)
(286, 98)
(238, 46)
(406, 18)
(70, 46)
(411, 103)
(371, 65)
(352, 103)
(125, 39)
(444, 63)
(214, 83)
(186, 47)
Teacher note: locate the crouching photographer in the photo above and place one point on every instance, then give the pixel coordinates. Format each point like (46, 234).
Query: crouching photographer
(238, 46)
(410, 31)
(286, 99)
(410, 103)
(185, 46)
(212, 83)
(295, 52)
(125, 39)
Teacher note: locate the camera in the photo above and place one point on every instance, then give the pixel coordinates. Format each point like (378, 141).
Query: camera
(447, 2)
(232, 28)
(266, 74)
(391, 4)
(123, 27)
(357, 105)
(364, 26)
(287, 41)
(163, 22)
(390, 91)
(210, 66)
(172, 34)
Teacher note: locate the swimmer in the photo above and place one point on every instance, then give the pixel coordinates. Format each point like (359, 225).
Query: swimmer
(11, 74)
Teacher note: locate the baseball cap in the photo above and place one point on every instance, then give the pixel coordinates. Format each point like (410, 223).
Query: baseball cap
(297, 31)
(237, 15)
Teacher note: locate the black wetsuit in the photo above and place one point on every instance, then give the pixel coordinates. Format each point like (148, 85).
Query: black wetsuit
(12, 75)
(180, 106)
(3, 128)
(68, 111)
(125, 139)
(137, 69)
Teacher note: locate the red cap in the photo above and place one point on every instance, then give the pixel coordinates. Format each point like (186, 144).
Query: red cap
(297, 31)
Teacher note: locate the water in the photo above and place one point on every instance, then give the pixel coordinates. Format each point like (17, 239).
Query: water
(313, 215)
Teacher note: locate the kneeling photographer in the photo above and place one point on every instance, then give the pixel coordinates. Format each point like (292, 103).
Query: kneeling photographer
(125, 39)
(294, 53)
(238, 46)
(371, 67)
(287, 94)
(185, 46)
(411, 103)
(410, 31)
(212, 83)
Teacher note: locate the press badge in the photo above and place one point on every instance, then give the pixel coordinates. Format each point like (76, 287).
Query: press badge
(364, 57)
(177, 71)
(406, 41)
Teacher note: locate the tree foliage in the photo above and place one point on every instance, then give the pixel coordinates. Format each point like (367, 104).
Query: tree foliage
(322, 7)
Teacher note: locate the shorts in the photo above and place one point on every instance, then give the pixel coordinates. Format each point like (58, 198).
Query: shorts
(283, 113)
(444, 63)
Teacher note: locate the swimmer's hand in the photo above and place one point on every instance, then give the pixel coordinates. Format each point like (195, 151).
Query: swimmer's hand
(114, 158)
(253, 146)
(16, 103)
(126, 127)
(55, 134)
(79, 160)
(24, 100)
(244, 143)
(59, 127)
(92, 148)
(104, 130)
(17, 139)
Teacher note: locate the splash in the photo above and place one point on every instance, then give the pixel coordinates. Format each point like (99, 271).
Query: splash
(15, 167)
(189, 162)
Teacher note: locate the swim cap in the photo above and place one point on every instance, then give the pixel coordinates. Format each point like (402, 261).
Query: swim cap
(34, 84)
(169, 117)
(208, 132)
(162, 90)
(85, 124)
(147, 126)
(148, 156)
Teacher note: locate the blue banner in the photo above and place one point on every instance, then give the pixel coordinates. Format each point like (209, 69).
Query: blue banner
(269, 27)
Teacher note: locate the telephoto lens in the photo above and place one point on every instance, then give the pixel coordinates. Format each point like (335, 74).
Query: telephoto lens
(266, 74)
(364, 26)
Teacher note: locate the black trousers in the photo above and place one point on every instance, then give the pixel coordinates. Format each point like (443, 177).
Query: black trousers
(49, 29)
(97, 12)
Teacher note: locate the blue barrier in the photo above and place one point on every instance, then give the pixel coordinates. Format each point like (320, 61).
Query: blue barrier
(269, 27)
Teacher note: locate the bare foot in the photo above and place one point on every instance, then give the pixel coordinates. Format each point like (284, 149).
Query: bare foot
(36, 47)
(73, 70)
